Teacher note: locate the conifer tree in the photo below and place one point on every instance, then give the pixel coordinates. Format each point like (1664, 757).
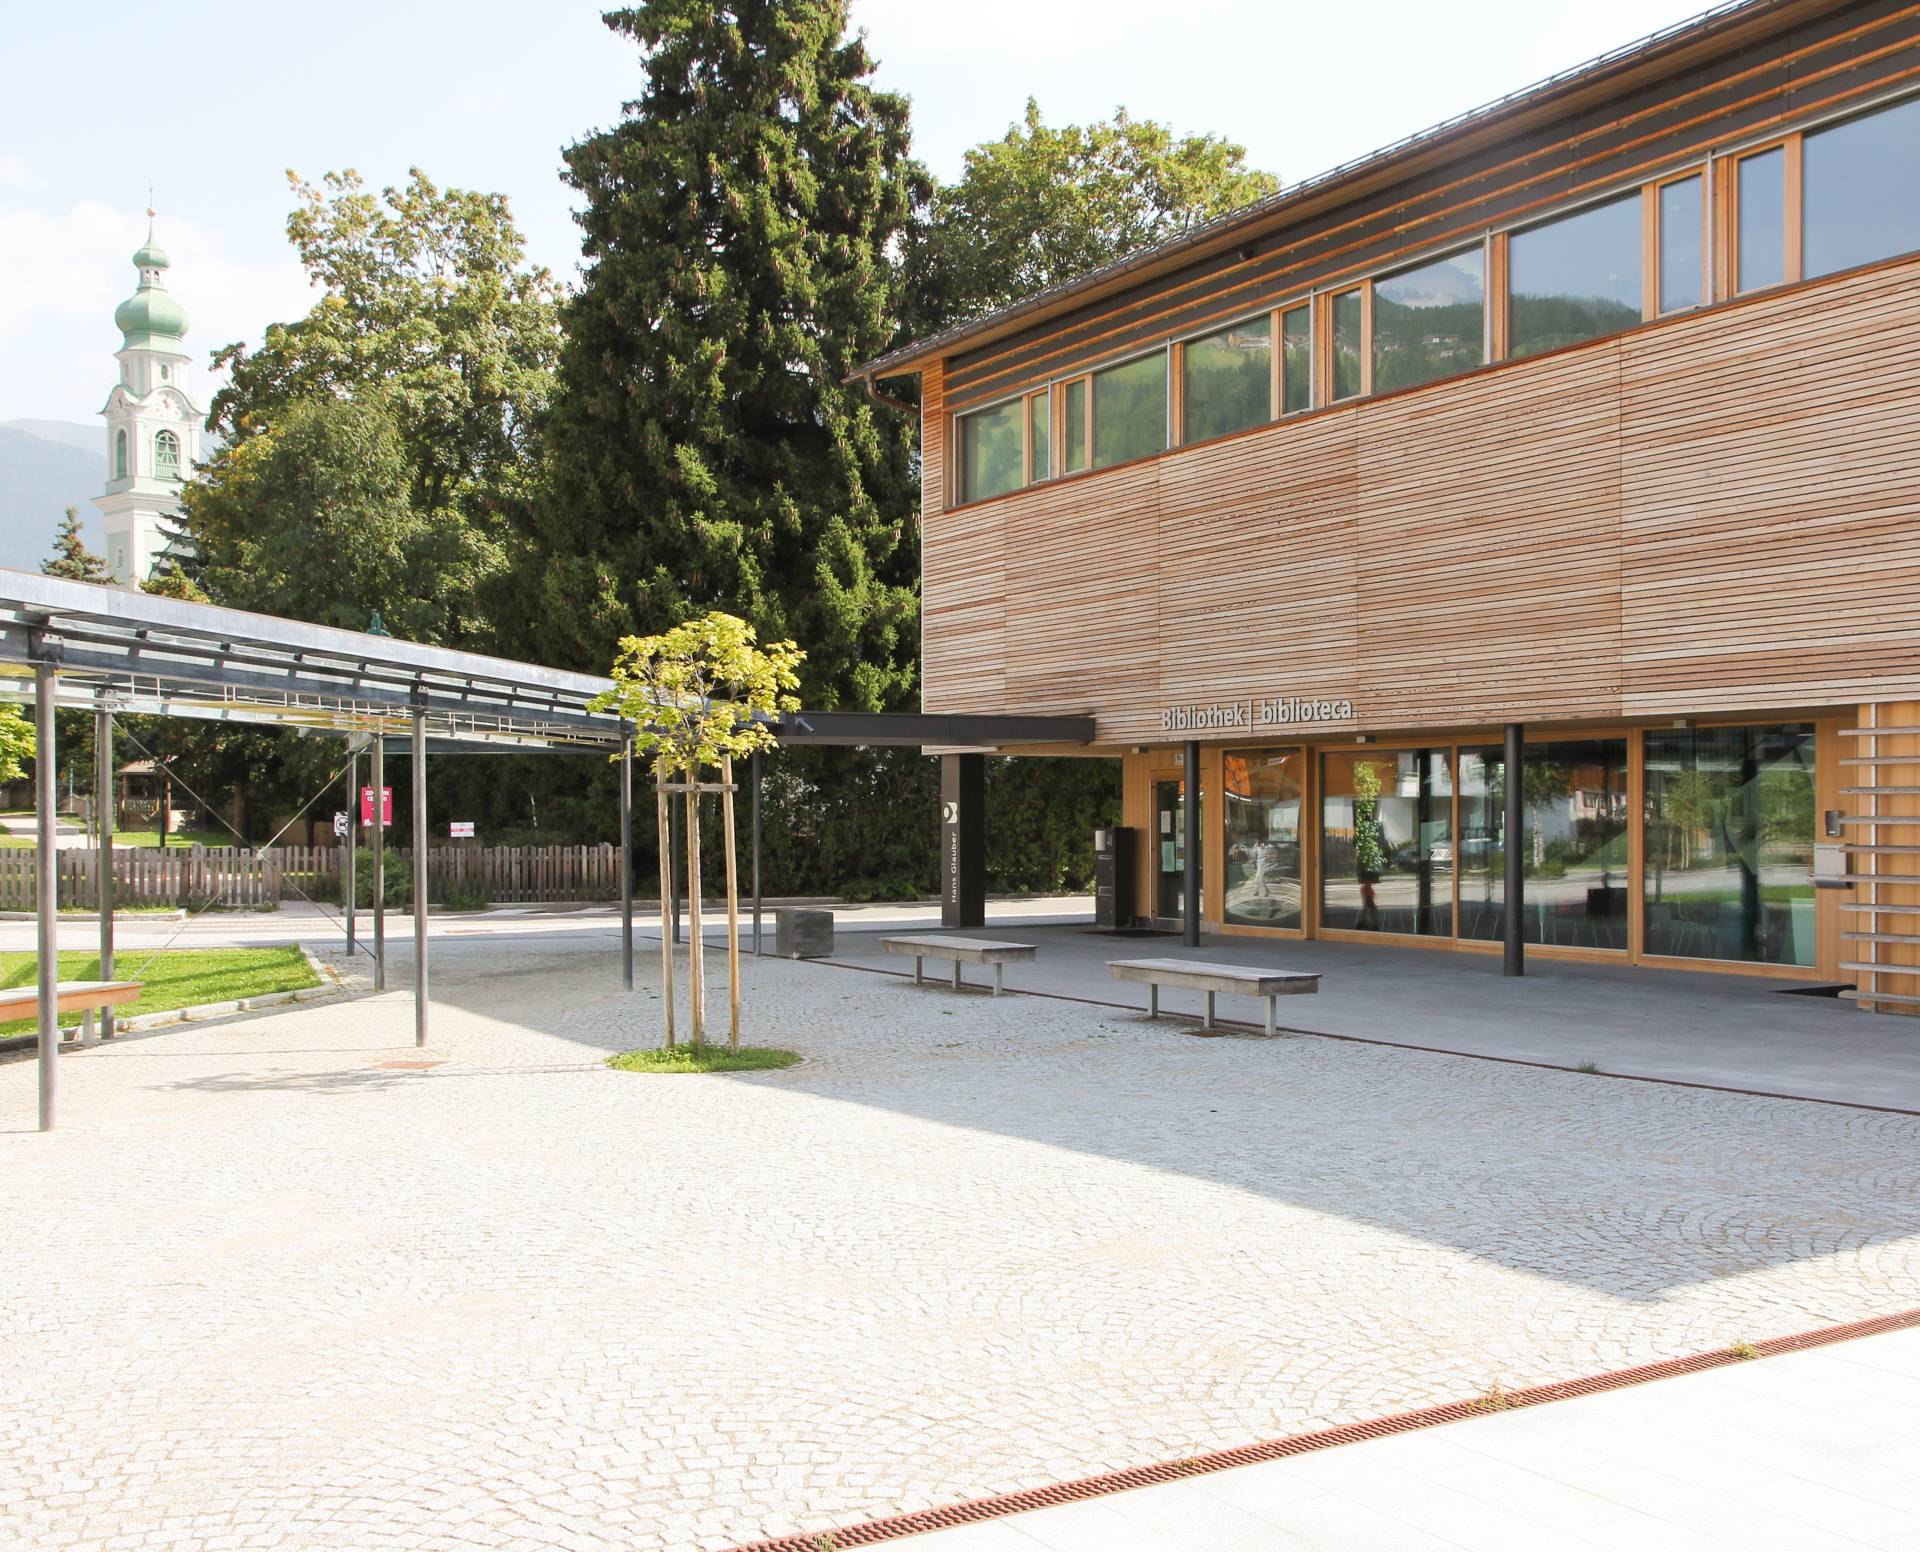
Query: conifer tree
(71, 558)
(705, 450)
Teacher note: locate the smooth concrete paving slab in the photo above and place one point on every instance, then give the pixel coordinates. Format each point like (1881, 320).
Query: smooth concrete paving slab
(1727, 1031)
(1811, 1452)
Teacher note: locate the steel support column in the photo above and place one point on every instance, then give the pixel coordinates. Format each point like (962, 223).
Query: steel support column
(419, 877)
(1514, 891)
(626, 862)
(103, 801)
(754, 772)
(963, 840)
(1190, 869)
(46, 883)
(379, 862)
(351, 843)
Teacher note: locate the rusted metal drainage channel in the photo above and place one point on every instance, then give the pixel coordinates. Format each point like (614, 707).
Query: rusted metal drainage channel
(919, 1522)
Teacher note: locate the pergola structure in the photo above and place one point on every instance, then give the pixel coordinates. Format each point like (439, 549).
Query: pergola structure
(107, 650)
(111, 651)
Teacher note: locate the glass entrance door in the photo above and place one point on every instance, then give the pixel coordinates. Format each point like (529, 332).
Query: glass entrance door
(1170, 847)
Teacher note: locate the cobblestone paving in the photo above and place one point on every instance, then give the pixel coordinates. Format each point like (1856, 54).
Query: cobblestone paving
(262, 1291)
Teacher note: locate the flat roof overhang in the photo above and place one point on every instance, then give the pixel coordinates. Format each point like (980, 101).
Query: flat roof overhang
(916, 729)
(133, 652)
(1586, 87)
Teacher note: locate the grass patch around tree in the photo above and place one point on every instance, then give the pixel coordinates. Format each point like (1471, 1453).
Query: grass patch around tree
(172, 978)
(704, 1058)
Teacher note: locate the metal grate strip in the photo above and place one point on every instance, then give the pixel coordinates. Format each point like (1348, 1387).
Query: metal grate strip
(894, 1527)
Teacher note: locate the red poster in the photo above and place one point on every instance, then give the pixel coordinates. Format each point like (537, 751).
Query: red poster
(386, 805)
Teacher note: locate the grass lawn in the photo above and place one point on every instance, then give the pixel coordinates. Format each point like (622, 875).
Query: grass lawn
(172, 978)
(180, 840)
(706, 1058)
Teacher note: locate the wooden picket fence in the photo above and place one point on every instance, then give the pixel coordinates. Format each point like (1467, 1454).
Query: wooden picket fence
(236, 877)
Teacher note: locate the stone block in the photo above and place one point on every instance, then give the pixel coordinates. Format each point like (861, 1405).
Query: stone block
(802, 934)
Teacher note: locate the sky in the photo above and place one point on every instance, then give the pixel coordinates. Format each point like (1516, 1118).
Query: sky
(212, 104)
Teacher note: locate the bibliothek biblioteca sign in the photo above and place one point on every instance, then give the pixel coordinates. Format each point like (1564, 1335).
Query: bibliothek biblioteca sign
(1251, 716)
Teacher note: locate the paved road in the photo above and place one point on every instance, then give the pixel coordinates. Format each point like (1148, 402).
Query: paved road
(269, 1287)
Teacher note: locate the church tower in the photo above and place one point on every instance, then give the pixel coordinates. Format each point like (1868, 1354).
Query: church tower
(153, 427)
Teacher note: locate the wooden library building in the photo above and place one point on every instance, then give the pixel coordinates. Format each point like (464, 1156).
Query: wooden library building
(1527, 510)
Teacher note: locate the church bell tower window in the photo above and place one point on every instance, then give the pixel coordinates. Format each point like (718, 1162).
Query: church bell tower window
(120, 455)
(166, 456)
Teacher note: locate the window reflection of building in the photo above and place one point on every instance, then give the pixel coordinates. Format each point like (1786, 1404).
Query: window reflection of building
(1386, 842)
(1729, 843)
(1262, 817)
(1574, 799)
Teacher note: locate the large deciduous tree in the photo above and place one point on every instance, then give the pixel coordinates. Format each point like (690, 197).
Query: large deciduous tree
(1042, 204)
(372, 447)
(741, 222)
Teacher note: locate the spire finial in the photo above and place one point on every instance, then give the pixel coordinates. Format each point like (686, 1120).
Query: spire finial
(150, 210)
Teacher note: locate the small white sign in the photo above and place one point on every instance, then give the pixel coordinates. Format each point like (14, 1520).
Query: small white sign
(340, 822)
(461, 829)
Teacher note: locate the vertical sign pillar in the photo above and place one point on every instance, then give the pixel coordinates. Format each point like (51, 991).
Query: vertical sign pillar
(379, 861)
(1514, 890)
(963, 840)
(46, 884)
(419, 876)
(1190, 871)
(103, 800)
(352, 844)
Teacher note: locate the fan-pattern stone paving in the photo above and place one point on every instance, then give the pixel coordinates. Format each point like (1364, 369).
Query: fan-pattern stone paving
(263, 1292)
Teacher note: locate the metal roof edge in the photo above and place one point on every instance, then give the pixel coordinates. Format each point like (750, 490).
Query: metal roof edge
(905, 360)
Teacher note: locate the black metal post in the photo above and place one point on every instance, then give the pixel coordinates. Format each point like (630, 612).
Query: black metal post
(626, 861)
(379, 861)
(1190, 871)
(103, 801)
(348, 883)
(754, 772)
(46, 902)
(1514, 960)
(419, 877)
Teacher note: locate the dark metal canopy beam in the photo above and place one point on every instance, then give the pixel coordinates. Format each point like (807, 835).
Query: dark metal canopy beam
(916, 728)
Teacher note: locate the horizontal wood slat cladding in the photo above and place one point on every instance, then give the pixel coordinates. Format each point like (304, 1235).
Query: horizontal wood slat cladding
(1716, 513)
(1770, 472)
(1852, 53)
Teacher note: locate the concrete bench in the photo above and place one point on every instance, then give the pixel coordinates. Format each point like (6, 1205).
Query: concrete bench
(962, 951)
(1235, 980)
(23, 1002)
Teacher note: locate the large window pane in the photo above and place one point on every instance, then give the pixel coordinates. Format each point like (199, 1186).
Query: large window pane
(990, 452)
(1763, 220)
(1263, 836)
(1429, 322)
(1075, 453)
(1170, 849)
(1574, 798)
(1040, 430)
(1386, 842)
(1296, 359)
(1130, 410)
(1575, 278)
(1347, 344)
(1863, 189)
(1729, 843)
(1228, 380)
(1682, 244)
